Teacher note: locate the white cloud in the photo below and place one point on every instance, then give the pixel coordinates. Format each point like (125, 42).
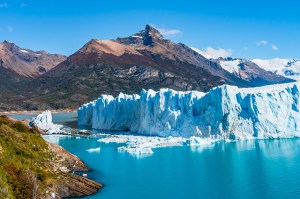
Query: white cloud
(3, 5)
(266, 43)
(169, 32)
(10, 29)
(274, 47)
(210, 52)
(262, 43)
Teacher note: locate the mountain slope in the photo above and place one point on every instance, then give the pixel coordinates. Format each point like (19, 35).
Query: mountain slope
(32, 168)
(19, 66)
(25, 62)
(251, 72)
(142, 61)
(289, 68)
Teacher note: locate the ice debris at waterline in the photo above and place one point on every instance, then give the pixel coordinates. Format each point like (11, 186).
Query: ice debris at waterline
(93, 150)
(143, 145)
(225, 112)
(44, 122)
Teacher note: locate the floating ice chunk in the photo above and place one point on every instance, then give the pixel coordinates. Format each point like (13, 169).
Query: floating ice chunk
(136, 151)
(93, 150)
(197, 141)
(115, 139)
(138, 145)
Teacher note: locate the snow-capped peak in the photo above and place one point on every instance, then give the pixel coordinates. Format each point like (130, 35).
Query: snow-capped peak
(286, 67)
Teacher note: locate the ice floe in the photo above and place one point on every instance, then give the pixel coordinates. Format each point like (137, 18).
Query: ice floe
(93, 150)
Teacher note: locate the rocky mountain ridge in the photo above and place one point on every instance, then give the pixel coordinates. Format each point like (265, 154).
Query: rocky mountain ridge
(144, 60)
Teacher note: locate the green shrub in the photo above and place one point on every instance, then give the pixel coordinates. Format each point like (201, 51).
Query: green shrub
(23, 155)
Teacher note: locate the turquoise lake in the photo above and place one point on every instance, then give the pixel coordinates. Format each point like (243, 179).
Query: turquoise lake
(243, 169)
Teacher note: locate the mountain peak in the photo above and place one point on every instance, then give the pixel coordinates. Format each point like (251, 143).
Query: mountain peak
(149, 35)
(8, 43)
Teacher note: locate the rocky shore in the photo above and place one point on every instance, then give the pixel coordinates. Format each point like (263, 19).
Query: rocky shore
(30, 167)
(71, 185)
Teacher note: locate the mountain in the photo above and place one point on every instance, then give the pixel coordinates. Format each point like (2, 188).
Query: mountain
(18, 66)
(289, 68)
(25, 62)
(250, 71)
(142, 61)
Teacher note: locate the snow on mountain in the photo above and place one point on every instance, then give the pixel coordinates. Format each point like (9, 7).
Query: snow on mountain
(286, 67)
(251, 72)
(231, 64)
(225, 112)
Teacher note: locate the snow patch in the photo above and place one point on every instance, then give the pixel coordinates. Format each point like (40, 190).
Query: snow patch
(24, 51)
(135, 36)
(231, 66)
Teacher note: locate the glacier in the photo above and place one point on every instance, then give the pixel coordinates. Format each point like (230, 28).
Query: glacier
(44, 122)
(225, 112)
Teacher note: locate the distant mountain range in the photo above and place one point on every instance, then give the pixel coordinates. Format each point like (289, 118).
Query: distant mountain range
(141, 61)
(19, 66)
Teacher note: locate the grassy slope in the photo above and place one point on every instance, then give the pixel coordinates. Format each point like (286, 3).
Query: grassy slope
(23, 155)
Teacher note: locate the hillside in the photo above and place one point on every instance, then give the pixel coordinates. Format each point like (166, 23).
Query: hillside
(32, 168)
(252, 72)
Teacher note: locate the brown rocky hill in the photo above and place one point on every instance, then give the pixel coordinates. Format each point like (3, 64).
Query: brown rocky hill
(25, 62)
(141, 61)
(19, 66)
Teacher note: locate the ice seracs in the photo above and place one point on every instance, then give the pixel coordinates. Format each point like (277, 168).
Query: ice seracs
(225, 112)
(44, 122)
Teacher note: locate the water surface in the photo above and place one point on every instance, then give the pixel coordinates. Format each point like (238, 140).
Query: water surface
(244, 169)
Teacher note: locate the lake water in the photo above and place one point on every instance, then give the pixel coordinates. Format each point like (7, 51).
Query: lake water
(245, 169)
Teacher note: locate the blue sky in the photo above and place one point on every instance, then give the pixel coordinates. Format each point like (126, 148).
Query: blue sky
(248, 29)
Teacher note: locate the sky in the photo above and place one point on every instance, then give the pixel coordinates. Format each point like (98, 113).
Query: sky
(246, 29)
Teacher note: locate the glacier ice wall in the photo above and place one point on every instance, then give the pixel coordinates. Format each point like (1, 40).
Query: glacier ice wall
(225, 112)
(44, 122)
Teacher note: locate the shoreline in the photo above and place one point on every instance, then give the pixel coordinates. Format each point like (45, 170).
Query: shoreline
(37, 112)
(53, 162)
